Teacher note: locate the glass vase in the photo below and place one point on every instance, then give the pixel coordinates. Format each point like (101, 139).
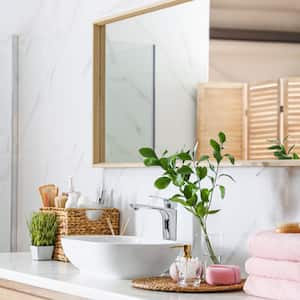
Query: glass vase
(212, 248)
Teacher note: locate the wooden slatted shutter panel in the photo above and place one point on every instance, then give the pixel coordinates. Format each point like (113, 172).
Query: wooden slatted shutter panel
(263, 119)
(220, 107)
(291, 112)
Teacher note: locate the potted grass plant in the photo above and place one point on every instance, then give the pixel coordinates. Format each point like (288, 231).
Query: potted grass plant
(196, 180)
(42, 229)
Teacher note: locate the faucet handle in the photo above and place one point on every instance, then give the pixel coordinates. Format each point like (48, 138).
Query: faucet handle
(167, 202)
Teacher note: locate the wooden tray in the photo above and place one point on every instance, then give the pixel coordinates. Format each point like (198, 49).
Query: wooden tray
(166, 284)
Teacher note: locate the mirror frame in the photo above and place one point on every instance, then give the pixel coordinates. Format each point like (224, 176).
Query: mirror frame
(99, 79)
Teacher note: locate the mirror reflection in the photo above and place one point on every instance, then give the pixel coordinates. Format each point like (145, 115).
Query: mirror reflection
(153, 63)
(170, 82)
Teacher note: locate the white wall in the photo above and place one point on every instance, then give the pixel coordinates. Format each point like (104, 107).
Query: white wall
(56, 140)
(241, 61)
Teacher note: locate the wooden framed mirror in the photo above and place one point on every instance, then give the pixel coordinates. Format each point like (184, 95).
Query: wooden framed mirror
(163, 78)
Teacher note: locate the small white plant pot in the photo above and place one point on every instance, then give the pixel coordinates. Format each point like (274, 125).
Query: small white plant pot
(41, 252)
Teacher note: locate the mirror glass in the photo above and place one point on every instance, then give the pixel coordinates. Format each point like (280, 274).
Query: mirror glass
(254, 68)
(153, 64)
(171, 82)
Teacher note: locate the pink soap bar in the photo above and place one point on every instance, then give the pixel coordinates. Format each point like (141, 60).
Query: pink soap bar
(223, 274)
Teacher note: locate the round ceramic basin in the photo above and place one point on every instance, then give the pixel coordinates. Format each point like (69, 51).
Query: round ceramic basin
(119, 257)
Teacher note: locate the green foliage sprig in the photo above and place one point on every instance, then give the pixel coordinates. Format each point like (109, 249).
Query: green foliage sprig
(281, 152)
(190, 175)
(42, 228)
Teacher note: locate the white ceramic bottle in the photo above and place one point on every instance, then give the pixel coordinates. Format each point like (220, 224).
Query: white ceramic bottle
(72, 195)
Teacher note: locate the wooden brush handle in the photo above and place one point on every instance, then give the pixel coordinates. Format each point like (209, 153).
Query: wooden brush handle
(48, 193)
(289, 228)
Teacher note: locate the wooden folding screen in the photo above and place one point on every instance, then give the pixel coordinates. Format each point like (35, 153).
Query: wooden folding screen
(291, 111)
(220, 108)
(253, 116)
(263, 116)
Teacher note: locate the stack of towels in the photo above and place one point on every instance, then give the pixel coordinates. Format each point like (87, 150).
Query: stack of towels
(274, 268)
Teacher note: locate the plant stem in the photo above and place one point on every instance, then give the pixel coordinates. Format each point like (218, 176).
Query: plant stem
(210, 249)
(212, 192)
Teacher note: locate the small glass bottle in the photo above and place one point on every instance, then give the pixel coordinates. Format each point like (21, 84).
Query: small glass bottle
(189, 269)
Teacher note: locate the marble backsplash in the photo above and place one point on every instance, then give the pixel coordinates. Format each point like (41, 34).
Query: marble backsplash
(260, 199)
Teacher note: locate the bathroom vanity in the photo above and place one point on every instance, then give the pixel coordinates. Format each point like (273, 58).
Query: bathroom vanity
(23, 278)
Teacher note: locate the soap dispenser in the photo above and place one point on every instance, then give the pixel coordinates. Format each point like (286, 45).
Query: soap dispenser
(189, 269)
(72, 195)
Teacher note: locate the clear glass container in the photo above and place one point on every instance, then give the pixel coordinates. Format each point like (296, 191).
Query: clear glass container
(189, 271)
(212, 248)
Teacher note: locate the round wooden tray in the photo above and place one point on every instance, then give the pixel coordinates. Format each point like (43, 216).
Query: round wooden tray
(166, 284)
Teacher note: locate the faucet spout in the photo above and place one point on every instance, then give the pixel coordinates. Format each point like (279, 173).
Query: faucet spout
(169, 219)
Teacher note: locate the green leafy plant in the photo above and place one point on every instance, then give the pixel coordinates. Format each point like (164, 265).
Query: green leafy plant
(196, 179)
(281, 152)
(42, 228)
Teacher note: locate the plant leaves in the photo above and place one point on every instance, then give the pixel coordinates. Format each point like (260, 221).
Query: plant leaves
(192, 201)
(184, 156)
(222, 191)
(283, 149)
(222, 137)
(164, 162)
(205, 195)
(296, 156)
(200, 209)
(228, 176)
(150, 161)
(274, 147)
(201, 172)
(212, 180)
(212, 168)
(177, 198)
(162, 182)
(214, 211)
(185, 170)
(218, 157)
(231, 158)
(188, 190)
(165, 153)
(178, 180)
(148, 152)
(204, 157)
(215, 145)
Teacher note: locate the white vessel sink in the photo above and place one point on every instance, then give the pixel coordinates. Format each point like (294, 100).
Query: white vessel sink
(120, 257)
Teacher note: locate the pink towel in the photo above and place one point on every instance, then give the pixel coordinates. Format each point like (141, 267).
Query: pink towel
(279, 246)
(277, 269)
(269, 288)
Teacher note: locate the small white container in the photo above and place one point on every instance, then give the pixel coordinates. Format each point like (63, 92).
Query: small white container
(93, 215)
(41, 252)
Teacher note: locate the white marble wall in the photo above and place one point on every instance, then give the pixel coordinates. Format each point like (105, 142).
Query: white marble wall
(56, 141)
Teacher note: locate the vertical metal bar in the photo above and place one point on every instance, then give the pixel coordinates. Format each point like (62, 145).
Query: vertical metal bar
(14, 142)
(154, 98)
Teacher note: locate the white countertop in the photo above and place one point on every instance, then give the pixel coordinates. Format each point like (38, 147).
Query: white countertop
(63, 277)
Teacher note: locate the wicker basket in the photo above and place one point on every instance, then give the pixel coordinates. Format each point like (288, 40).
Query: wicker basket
(73, 221)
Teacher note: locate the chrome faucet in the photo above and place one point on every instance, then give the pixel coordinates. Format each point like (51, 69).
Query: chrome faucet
(169, 217)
